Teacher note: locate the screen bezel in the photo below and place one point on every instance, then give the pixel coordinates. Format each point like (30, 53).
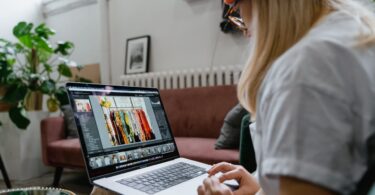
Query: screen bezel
(94, 174)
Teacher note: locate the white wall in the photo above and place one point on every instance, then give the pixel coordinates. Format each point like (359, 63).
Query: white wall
(80, 26)
(184, 34)
(14, 11)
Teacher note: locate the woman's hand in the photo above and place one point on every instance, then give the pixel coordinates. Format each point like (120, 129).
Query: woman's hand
(214, 186)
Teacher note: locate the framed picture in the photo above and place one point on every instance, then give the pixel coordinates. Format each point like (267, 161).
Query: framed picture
(137, 54)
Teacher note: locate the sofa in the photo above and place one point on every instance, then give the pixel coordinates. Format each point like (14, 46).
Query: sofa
(195, 116)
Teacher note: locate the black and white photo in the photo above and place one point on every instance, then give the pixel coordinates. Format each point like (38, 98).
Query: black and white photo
(137, 53)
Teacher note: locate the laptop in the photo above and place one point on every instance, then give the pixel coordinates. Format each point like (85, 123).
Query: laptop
(127, 142)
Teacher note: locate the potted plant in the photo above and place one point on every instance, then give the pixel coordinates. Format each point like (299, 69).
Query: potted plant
(32, 67)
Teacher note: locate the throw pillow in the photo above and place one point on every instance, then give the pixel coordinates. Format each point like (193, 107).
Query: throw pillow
(230, 131)
(70, 125)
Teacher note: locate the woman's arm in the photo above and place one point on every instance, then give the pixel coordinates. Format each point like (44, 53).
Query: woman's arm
(293, 186)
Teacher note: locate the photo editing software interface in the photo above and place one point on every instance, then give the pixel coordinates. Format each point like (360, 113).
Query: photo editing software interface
(121, 128)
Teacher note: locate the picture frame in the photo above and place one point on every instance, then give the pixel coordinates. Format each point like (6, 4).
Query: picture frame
(137, 55)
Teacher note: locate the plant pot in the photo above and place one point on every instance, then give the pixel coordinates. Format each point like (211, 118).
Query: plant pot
(21, 149)
(34, 101)
(3, 105)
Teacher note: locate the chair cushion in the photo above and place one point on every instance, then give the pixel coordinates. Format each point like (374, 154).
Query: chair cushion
(66, 153)
(203, 150)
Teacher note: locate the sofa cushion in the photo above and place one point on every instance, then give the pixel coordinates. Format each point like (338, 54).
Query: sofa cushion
(203, 150)
(66, 152)
(198, 112)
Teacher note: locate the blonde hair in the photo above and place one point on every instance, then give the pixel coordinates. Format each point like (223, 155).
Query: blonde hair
(279, 24)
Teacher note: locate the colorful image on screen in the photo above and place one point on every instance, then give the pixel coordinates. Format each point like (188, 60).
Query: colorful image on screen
(126, 120)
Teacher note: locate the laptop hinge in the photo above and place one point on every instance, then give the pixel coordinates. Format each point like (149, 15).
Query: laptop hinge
(134, 168)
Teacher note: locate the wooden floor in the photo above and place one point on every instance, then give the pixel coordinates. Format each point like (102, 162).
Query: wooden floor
(75, 181)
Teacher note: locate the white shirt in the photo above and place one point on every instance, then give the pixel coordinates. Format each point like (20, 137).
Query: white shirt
(316, 108)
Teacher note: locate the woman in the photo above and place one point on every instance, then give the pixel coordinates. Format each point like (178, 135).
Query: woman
(310, 83)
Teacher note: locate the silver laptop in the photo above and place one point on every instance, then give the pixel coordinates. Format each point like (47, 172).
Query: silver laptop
(127, 143)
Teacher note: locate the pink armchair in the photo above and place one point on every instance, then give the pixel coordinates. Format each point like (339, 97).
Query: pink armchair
(58, 151)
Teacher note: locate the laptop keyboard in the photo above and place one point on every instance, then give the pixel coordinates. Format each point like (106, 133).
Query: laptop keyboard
(161, 179)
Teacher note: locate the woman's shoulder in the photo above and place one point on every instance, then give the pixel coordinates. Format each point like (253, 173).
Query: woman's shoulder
(330, 46)
(313, 58)
(327, 59)
(324, 65)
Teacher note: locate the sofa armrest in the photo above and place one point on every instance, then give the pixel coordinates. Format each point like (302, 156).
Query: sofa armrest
(52, 129)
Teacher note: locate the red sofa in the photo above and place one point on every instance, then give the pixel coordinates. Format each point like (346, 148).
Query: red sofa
(195, 116)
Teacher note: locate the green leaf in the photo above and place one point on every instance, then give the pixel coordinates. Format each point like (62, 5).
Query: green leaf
(19, 118)
(11, 61)
(5, 70)
(43, 31)
(62, 96)
(44, 56)
(48, 86)
(19, 48)
(43, 44)
(15, 93)
(22, 29)
(64, 48)
(4, 43)
(64, 70)
(12, 78)
(48, 68)
(26, 40)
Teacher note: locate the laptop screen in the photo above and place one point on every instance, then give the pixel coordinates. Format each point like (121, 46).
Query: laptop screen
(120, 128)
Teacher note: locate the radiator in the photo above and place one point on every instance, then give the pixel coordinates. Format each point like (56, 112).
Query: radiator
(225, 75)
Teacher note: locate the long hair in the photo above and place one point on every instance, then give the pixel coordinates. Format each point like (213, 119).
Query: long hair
(279, 24)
